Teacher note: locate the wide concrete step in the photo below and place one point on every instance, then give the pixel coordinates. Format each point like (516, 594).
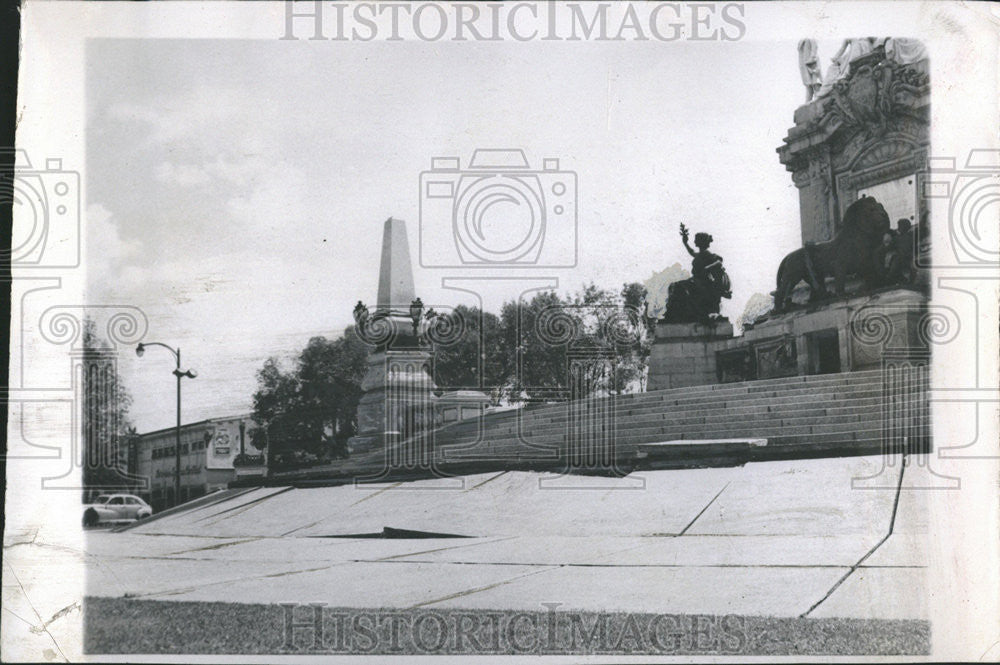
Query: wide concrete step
(700, 417)
(769, 384)
(862, 410)
(681, 399)
(763, 385)
(817, 407)
(771, 388)
(782, 419)
(785, 383)
(777, 431)
(745, 406)
(863, 441)
(783, 410)
(787, 393)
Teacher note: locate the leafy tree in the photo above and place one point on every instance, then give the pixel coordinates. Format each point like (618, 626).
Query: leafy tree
(469, 356)
(638, 328)
(106, 423)
(309, 411)
(548, 332)
(529, 332)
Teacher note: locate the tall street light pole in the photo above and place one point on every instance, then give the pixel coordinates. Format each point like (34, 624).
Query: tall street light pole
(139, 350)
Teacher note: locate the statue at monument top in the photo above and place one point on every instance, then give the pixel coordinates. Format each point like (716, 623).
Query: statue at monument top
(395, 277)
(900, 50)
(840, 64)
(697, 299)
(904, 51)
(812, 79)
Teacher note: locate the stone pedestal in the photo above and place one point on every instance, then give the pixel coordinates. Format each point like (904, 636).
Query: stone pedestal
(398, 399)
(684, 354)
(844, 335)
(461, 405)
(850, 334)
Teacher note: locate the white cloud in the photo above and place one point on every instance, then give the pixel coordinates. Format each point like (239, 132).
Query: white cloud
(182, 175)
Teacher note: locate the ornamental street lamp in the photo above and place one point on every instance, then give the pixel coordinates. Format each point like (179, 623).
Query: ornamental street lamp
(141, 349)
(416, 310)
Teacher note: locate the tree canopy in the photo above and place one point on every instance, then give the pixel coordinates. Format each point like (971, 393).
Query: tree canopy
(309, 410)
(546, 347)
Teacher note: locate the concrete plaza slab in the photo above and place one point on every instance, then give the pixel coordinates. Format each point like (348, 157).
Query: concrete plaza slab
(770, 538)
(536, 550)
(901, 550)
(329, 550)
(780, 550)
(801, 497)
(361, 584)
(786, 592)
(882, 593)
(499, 504)
(695, 541)
(143, 577)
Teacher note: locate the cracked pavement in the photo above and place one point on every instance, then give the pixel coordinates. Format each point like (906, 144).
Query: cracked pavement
(774, 539)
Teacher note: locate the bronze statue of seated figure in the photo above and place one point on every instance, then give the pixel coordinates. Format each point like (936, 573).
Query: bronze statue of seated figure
(697, 299)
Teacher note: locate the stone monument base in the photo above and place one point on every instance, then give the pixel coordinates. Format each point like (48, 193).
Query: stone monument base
(843, 335)
(683, 354)
(398, 399)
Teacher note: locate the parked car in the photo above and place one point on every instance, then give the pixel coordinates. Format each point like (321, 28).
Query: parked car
(115, 508)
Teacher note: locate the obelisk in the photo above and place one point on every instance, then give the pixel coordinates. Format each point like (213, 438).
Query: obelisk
(395, 277)
(397, 389)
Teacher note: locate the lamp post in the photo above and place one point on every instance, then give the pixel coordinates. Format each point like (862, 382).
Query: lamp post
(416, 311)
(139, 350)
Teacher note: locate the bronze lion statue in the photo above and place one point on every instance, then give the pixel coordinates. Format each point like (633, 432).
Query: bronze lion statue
(851, 252)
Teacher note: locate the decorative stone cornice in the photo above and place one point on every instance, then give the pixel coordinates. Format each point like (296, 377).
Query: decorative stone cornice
(878, 96)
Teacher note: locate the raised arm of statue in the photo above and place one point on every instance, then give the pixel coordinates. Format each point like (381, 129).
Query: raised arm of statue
(684, 239)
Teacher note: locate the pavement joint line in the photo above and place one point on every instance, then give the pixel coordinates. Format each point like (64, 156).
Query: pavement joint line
(473, 590)
(185, 589)
(486, 481)
(304, 526)
(364, 498)
(899, 488)
(246, 506)
(892, 521)
(213, 547)
(618, 552)
(702, 511)
(181, 535)
(208, 502)
(619, 565)
(441, 549)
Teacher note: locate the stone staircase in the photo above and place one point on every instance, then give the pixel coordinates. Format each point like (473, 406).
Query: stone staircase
(832, 415)
(826, 414)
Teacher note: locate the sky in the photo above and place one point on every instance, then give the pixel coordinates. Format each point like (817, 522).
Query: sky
(236, 189)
